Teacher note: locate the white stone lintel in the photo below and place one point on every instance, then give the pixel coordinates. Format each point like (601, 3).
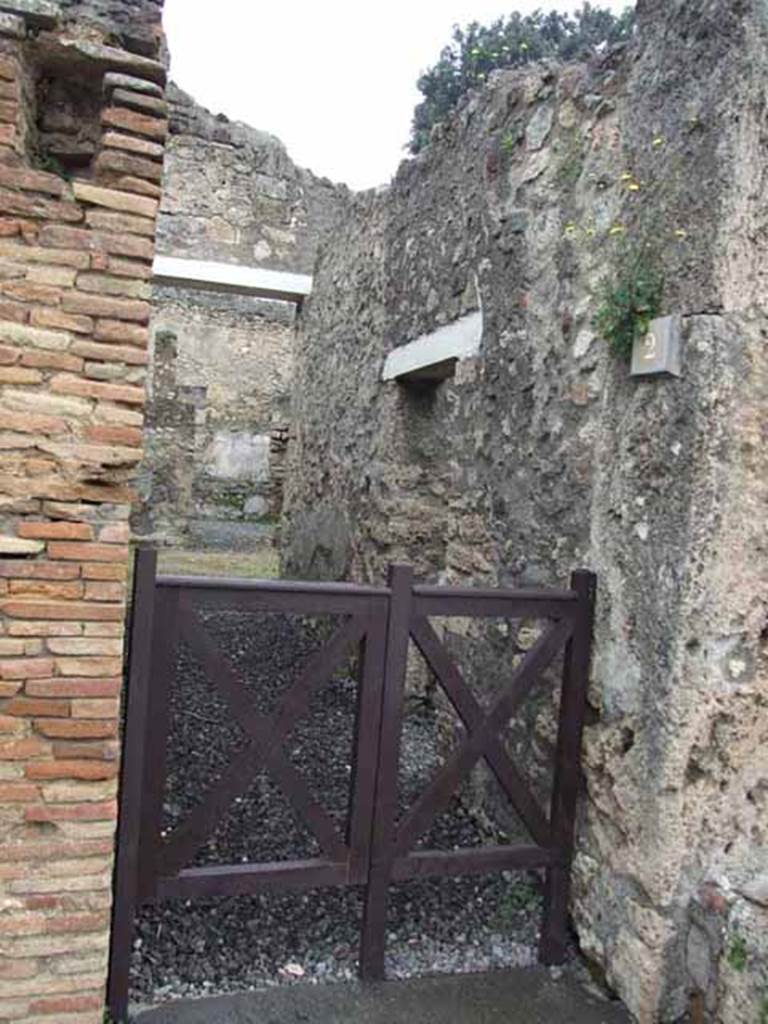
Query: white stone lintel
(228, 277)
(433, 356)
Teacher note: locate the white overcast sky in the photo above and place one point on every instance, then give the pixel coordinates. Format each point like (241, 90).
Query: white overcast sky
(334, 79)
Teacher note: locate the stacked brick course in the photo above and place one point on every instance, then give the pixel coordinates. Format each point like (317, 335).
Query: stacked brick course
(75, 255)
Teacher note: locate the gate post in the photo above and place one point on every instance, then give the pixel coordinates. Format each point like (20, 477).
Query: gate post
(372, 944)
(573, 699)
(132, 781)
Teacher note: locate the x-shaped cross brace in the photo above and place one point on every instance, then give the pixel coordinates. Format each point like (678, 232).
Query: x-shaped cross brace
(482, 738)
(264, 747)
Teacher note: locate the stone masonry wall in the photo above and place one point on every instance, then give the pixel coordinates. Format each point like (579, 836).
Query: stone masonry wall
(542, 454)
(82, 130)
(220, 387)
(232, 194)
(222, 363)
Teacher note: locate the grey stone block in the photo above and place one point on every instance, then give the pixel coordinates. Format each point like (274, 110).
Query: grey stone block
(116, 80)
(110, 57)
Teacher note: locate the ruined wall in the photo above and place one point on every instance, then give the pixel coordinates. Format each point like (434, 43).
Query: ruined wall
(219, 409)
(134, 24)
(82, 127)
(233, 194)
(542, 454)
(221, 376)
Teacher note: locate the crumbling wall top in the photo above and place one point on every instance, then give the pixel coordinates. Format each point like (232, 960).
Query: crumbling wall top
(232, 194)
(135, 25)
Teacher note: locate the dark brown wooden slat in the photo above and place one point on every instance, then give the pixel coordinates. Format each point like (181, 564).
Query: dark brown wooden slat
(471, 861)
(573, 702)
(524, 594)
(276, 596)
(272, 586)
(495, 604)
(362, 792)
(516, 788)
(527, 674)
(315, 674)
(243, 879)
(190, 834)
(437, 795)
(307, 809)
(553, 940)
(374, 931)
(165, 634)
(263, 749)
(472, 715)
(132, 784)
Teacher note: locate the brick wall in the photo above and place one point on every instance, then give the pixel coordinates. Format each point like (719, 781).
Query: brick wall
(82, 129)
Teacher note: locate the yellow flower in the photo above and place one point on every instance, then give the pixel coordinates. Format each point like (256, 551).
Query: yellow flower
(681, 233)
(659, 141)
(627, 176)
(617, 229)
(633, 186)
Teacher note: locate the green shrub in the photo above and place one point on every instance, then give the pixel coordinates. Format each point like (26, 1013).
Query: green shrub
(477, 50)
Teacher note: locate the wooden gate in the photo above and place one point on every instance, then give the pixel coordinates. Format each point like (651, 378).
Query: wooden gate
(376, 848)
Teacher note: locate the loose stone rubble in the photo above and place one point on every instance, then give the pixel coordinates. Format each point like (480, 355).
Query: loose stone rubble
(208, 947)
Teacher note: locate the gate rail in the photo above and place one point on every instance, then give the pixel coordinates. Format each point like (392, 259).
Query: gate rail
(376, 849)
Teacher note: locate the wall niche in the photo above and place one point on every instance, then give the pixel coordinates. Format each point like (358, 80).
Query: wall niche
(67, 131)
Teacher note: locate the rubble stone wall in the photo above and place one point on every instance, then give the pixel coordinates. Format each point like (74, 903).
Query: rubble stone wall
(82, 132)
(219, 403)
(135, 24)
(220, 396)
(541, 454)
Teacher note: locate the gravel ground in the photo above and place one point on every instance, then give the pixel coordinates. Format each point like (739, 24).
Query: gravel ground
(475, 923)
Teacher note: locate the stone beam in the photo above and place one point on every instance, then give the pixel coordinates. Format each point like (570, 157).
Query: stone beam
(227, 277)
(433, 357)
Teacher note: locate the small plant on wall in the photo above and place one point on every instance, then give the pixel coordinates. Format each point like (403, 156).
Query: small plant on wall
(738, 954)
(630, 298)
(631, 293)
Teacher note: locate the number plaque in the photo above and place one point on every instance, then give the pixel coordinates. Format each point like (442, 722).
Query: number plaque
(659, 352)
